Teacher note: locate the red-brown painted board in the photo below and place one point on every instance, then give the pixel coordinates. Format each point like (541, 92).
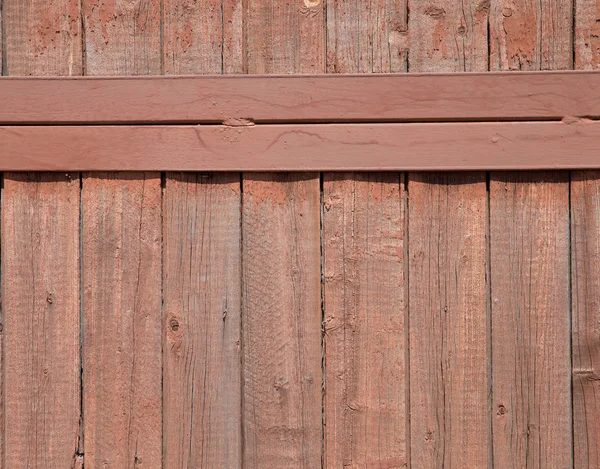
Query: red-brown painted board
(587, 35)
(585, 258)
(40, 275)
(531, 35)
(364, 323)
(328, 98)
(531, 363)
(367, 37)
(339, 147)
(281, 321)
(282, 358)
(40, 262)
(122, 38)
(202, 345)
(122, 325)
(448, 327)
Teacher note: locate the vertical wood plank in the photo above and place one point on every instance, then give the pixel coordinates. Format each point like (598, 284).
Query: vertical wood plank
(365, 366)
(447, 297)
(365, 37)
(531, 35)
(40, 262)
(281, 325)
(40, 269)
(202, 270)
(202, 264)
(585, 255)
(449, 423)
(585, 259)
(122, 37)
(587, 34)
(447, 36)
(529, 229)
(122, 263)
(122, 327)
(282, 321)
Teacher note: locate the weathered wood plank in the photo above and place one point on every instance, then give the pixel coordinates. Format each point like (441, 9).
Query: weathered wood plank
(529, 224)
(449, 37)
(40, 274)
(447, 298)
(365, 37)
(281, 321)
(534, 145)
(40, 262)
(122, 38)
(585, 259)
(531, 35)
(365, 337)
(587, 35)
(202, 269)
(295, 99)
(122, 324)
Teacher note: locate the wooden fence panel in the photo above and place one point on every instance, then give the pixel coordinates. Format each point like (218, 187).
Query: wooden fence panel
(40, 263)
(202, 264)
(122, 264)
(446, 273)
(281, 324)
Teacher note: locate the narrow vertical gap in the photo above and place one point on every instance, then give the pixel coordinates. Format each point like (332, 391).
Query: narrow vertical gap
(163, 186)
(81, 444)
(323, 344)
(3, 67)
(83, 39)
(570, 270)
(406, 251)
(488, 307)
(489, 48)
(244, 38)
(573, 39)
(222, 37)
(242, 313)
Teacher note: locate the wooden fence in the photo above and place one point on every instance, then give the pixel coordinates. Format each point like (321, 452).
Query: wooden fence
(299, 320)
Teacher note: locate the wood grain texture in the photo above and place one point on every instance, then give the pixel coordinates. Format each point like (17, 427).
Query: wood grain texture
(295, 99)
(365, 364)
(122, 320)
(281, 321)
(448, 340)
(202, 359)
(391, 147)
(448, 37)
(40, 274)
(122, 37)
(585, 258)
(202, 37)
(366, 37)
(40, 262)
(531, 35)
(285, 37)
(529, 224)
(587, 35)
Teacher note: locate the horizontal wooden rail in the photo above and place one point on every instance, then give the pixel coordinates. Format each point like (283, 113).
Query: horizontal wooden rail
(568, 144)
(300, 99)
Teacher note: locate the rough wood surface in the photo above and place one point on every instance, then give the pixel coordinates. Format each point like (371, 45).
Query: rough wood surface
(122, 320)
(587, 35)
(365, 349)
(40, 275)
(202, 268)
(364, 37)
(447, 36)
(448, 340)
(543, 145)
(281, 321)
(293, 99)
(585, 259)
(122, 37)
(40, 262)
(531, 35)
(531, 391)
